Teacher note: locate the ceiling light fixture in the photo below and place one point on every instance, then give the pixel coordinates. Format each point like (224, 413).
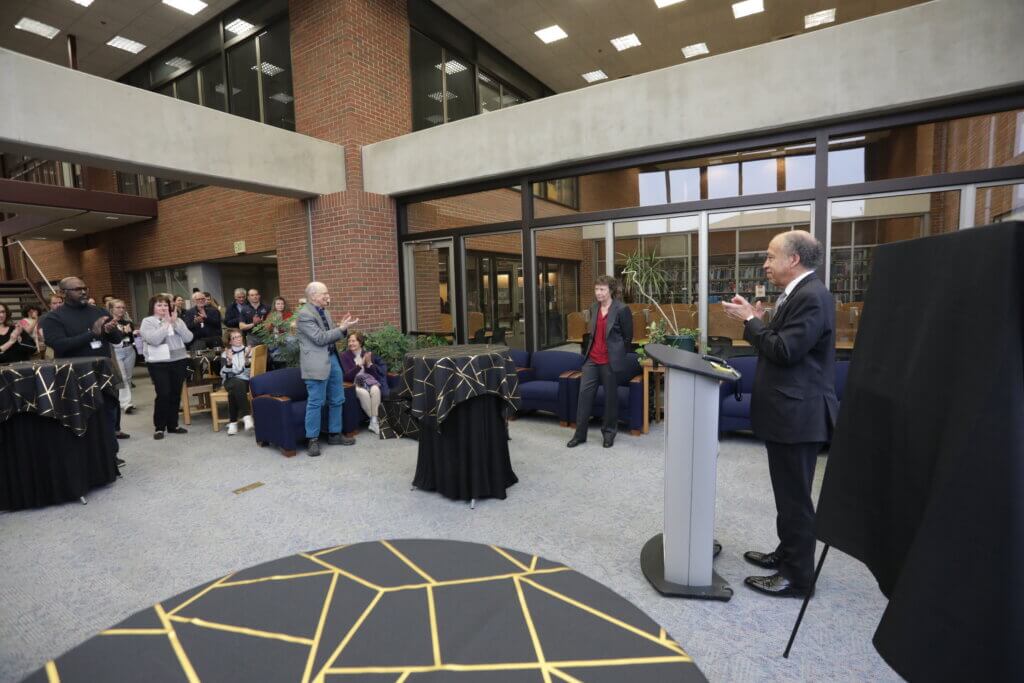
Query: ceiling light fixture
(451, 67)
(192, 7)
(825, 16)
(551, 34)
(282, 97)
(666, 3)
(70, 229)
(127, 45)
(448, 95)
(695, 50)
(268, 68)
(270, 256)
(83, 3)
(594, 76)
(221, 90)
(37, 27)
(179, 63)
(625, 42)
(113, 218)
(747, 7)
(239, 26)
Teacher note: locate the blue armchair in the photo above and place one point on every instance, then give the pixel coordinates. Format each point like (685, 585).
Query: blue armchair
(734, 415)
(543, 382)
(630, 393)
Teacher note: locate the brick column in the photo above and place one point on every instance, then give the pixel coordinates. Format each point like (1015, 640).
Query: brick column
(350, 72)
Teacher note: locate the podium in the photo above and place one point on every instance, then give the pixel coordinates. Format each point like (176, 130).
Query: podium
(678, 561)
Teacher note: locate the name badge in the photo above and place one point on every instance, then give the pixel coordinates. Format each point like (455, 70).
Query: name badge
(95, 344)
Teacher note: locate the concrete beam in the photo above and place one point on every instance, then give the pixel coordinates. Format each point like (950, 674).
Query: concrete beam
(939, 51)
(55, 113)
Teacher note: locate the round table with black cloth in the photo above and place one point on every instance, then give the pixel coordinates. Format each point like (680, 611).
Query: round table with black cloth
(55, 442)
(459, 395)
(418, 611)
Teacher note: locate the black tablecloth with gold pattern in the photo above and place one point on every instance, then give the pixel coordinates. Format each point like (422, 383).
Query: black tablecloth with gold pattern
(55, 441)
(416, 611)
(439, 378)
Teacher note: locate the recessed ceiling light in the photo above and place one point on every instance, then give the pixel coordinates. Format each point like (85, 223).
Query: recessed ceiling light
(179, 63)
(192, 7)
(283, 98)
(695, 50)
(435, 119)
(625, 42)
(37, 27)
(451, 67)
(268, 68)
(448, 95)
(113, 218)
(551, 34)
(594, 76)
(126, 45)
(747, 7)
(666, 3)
(825, 16)
(239, 26)
(83, 3)
(70, 229)
(221, 90)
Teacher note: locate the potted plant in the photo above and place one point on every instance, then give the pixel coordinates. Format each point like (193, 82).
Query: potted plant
(390, 345)
(644, 274)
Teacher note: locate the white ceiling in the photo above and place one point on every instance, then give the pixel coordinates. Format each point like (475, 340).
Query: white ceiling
(509, 26)
(31, 222)
(149, 22)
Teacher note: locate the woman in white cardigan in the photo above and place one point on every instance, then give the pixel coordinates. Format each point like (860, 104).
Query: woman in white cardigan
(165, 336)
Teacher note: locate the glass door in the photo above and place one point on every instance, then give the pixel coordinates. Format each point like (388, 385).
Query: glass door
(429, 287)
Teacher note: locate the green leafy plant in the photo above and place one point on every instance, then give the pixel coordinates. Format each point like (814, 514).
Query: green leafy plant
(390, 345)
(645, 275)
(655, 335)
(430, 340)
(280, 339)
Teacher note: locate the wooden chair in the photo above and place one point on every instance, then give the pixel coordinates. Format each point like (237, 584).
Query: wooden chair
(258, 367)
(577, 327)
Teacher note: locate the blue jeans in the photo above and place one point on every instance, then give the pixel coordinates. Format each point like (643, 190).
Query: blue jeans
(334, 388)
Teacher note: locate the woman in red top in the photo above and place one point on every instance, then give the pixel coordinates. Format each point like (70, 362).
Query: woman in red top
(611, 338)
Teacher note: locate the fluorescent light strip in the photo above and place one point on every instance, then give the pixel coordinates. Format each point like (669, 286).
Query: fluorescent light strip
(125, 44)
(83, 3)
(747, 7)
(551, 34)
(625, 42)
(37, 27)
(179, 63)
(594, 76)
(825, 16)
(239, 26)
(666, 3)
(695, 50)
(191, 7)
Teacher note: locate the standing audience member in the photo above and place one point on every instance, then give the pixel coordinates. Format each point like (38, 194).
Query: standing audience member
(238, 313)
(368, 374)
(277, 321)
(56, 301)
(12, 347)
(165, 336)
(74, 329)
(321, 366)
(179, 305)
(611, 338)
(257, 312)
(124, 352)
(203, 320)
(235, 371)
(29, 323)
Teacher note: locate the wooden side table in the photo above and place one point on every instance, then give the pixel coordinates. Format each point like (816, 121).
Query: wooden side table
(659, 378)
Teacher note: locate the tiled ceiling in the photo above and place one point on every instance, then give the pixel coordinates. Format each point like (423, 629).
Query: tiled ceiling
(509, 26)
(149, 22)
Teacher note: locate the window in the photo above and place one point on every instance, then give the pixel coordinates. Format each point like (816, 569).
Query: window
(460, 96)
(490, 93)
(242, 74)
(478, 208)
(276, 73)
(187, 87)
(564, 191)
(427, 85)
(211, 75)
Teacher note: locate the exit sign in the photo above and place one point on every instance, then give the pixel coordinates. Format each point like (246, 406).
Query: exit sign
(240, 247)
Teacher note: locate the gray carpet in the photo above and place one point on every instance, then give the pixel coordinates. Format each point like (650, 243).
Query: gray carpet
(173, 522)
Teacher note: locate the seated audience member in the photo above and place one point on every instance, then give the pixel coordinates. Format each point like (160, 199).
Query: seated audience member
(124, 352)
(203, 320)
(32, 337)
(368, 375)
(235, 371)
(165, 337)
(12, 344)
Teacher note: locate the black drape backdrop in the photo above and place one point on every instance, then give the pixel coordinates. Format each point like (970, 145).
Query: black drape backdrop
(925, 479)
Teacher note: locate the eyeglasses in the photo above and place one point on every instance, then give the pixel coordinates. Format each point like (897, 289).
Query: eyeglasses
(76, 289)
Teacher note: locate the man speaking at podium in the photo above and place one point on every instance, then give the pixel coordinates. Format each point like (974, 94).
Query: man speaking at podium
(793, 406)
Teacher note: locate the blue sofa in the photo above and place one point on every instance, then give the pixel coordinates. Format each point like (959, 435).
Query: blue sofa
(630, 392)
(734, 415)
(543, 381)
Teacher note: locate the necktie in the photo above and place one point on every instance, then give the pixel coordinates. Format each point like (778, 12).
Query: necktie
(781, 300)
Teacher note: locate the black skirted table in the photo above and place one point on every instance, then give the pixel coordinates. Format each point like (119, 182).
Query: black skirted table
(55, 443)
(418, 611)
(459, 396)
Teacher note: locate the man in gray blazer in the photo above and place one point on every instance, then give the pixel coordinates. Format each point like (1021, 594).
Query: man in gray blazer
(321, 366)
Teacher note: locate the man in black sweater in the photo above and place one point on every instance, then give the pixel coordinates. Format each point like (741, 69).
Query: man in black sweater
(203, 321)
(80, 330)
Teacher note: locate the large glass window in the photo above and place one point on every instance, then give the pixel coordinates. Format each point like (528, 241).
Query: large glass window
(495, 291)
(242, 74)
(459, 88)
(480, 208)
(490, 93)
(211, 76)
(429, 288)
(566, 267)
(999, 203)
(965, 144)
(276, 73)
(427, 85)
(187, 87)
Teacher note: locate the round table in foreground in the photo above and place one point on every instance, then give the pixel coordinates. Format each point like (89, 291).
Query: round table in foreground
(406, 610)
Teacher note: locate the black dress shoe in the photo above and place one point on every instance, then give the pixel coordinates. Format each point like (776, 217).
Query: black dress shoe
(158, 434)
(609, 440)
(767, 560)
(122, 435)
(313, 450)
(574, 442)
(129, 410)
(120, 462)
(340, 440)
(177, 430)
(778, 585)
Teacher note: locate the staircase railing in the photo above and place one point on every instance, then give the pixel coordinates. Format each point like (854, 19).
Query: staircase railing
(28, 275)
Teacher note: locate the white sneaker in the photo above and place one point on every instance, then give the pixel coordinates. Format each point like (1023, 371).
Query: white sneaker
(374, 425)
(247, 421)
(232, 428)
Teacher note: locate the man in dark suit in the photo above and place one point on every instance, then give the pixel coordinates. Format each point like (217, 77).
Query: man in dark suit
(611, 338)
(203, 321)
(793, 405)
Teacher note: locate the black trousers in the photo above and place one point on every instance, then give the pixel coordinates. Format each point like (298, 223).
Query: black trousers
(238, 397)
(791, 466)
(112, 411)
(595, 375)
(168, 378)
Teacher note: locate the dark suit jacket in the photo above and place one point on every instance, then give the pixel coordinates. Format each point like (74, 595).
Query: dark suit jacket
(210, 329)
(618, 334)
(794, 395)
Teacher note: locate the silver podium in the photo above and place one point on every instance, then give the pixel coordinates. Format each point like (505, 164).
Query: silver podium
(678, 562)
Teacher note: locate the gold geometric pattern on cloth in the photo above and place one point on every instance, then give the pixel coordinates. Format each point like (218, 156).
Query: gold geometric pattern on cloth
(64, 390)
(326, 649)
